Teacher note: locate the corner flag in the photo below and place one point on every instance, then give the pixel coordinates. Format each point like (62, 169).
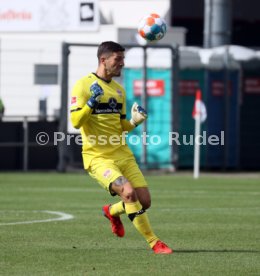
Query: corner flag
(199, 109)
(199, 114)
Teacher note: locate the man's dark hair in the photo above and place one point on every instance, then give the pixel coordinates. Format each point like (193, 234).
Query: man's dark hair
(109, 47)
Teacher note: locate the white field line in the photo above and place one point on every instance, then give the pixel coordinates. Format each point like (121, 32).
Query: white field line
(62, 216)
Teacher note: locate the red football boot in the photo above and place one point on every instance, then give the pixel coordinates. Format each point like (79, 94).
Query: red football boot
(161, 248)
(116, 224)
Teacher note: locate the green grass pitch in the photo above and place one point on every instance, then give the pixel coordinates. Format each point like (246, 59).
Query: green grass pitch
(213, 225)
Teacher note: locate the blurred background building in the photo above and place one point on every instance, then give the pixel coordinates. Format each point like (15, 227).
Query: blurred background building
(244, 24)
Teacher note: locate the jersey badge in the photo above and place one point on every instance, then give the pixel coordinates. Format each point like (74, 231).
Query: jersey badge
(107, 173)
(119, 92)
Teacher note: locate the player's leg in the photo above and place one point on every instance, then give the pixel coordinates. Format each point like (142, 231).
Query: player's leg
(144, 197)
(117, 209)
(131, 171)
(105, 172)
(134, 209)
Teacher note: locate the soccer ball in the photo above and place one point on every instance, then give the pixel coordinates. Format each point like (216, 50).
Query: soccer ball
(152, 27)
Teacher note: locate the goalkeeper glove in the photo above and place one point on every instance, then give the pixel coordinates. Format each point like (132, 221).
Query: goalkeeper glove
(138, 115)
(97, 92)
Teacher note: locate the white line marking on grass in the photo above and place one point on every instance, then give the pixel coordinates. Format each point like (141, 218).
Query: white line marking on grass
(62, 216)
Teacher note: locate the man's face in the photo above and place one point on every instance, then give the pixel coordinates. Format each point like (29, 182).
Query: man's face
(114, 64)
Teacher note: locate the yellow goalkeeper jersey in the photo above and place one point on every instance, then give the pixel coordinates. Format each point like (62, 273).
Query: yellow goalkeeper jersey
(104, 128)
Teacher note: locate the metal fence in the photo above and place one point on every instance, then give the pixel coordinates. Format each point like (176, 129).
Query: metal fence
(20, 147)
(231, 92)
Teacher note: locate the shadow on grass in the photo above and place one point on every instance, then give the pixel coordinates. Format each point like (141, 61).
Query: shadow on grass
(216, 251)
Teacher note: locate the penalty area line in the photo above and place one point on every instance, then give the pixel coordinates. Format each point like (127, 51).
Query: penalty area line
(61, 216)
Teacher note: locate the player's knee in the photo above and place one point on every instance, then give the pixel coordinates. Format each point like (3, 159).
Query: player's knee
(124, 189)
(129, 194)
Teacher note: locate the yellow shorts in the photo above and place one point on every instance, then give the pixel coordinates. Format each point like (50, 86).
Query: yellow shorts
(106, 171)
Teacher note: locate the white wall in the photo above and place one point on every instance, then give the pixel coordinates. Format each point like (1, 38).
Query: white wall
(20, 52)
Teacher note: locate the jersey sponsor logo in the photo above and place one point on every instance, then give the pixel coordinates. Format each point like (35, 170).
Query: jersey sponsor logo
(112, 102)
(73, 100)
(107, 108)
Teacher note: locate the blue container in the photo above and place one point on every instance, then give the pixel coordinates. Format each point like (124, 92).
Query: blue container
(223, 117)
(159, 108)
(250, 116)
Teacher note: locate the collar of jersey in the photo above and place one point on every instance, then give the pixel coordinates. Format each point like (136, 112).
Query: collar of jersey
(101, 78)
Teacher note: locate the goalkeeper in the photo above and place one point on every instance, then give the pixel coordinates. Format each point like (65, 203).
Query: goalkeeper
(98, 109)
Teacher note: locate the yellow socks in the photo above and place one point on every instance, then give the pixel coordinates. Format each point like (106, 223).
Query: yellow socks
(117, 209)
(138, 217)
(141, 222)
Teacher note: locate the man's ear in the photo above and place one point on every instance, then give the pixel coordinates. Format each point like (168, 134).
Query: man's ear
(102, 60)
